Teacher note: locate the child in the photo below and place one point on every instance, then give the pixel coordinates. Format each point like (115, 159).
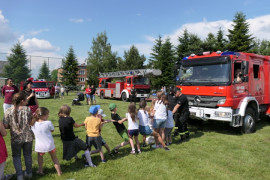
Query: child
(168, 128)
(42, 129)
(93, 126)
(120, 127)
(144, 127)
(3, 150)
(133, 128)
(18, 119)
(71, 144)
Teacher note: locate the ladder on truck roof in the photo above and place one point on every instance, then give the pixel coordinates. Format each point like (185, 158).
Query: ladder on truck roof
(135, 72)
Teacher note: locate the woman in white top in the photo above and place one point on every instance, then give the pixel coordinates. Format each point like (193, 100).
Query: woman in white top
(144, 125)
(160, 114)
(42, 129)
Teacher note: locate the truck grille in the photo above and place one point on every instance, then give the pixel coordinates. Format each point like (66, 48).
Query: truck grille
(143, 91)
(203, 101)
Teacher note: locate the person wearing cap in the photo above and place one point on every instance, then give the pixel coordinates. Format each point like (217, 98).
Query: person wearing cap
(182, 108)
(101, 115)
(93, 125)
(120, 127)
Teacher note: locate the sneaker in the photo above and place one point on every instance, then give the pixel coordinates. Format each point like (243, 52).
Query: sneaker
(139, 151)
(27, 175)
(132, 152)
(166, 148)
(155, 146)
(104, 160)
(87, 165)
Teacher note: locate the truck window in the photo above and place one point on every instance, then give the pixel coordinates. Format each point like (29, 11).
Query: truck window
(129, 80)
(237, 73)
(256, 71)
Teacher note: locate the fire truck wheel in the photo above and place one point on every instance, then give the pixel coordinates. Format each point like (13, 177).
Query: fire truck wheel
(249, 121)
(101, 95)
(124, 97)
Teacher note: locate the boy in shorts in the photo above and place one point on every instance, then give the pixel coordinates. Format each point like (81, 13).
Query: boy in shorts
(93, 126)
(120, 127)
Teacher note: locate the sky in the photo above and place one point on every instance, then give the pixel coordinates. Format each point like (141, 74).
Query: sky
(48, 28)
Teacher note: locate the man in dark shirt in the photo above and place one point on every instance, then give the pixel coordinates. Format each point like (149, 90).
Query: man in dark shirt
(172, 102)
(183, 109)
(133, 95)
(92, 94)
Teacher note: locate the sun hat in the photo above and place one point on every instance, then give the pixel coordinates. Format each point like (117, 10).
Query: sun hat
(112, 106)
(94, 109)
(101, 112)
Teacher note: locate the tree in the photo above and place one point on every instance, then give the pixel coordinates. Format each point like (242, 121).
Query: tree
(70, 68)
(100, 58)
(17, 64)
(239, 37)
(155, 55)
(209, 44)
(165, 61)
(132, 59)
(54, 74)
(44, 72)
(221, 41)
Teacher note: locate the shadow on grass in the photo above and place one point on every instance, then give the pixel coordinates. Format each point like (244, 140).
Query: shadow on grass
(221, 127)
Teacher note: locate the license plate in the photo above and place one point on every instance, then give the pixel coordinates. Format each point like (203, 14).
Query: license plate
(41, 94)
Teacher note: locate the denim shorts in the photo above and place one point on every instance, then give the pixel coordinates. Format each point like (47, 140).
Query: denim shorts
(145, 130)
(87, 96)
(133, 132)
(159, 123)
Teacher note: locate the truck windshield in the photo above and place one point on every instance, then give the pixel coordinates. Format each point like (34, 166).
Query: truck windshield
(39, 85)
(205, 72)
(141, 80)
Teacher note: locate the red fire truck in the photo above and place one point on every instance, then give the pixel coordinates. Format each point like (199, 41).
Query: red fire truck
(118, 84)
(226, 86)
(42, 88)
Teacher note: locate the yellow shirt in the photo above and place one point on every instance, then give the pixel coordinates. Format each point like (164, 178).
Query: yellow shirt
(92, 125)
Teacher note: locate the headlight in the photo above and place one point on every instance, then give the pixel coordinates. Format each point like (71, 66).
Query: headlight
(221, 101)
(223, 114)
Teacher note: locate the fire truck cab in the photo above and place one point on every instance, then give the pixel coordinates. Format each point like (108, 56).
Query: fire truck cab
(118, 84)
(226, 86)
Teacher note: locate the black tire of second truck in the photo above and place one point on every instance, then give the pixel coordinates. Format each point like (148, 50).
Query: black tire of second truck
(249, 121)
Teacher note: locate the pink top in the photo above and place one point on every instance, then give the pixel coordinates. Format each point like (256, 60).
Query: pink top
(3, 150)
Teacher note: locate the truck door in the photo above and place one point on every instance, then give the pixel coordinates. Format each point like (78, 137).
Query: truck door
(257, 80)
(240, 84)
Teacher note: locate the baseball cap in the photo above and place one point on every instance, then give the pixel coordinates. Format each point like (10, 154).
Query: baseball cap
(94, 109)
(101, 112)
(112, 106)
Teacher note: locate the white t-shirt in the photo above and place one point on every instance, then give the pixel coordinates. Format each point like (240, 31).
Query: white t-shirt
(62, 89)
(143, 117)
(169, 123)
(160, 110)
(131, 124)
(44, 140)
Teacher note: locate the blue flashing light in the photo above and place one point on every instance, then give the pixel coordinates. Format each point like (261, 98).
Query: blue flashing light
(185, 58)
(230, 53)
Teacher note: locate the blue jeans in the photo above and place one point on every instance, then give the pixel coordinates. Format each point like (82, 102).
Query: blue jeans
(16, 155)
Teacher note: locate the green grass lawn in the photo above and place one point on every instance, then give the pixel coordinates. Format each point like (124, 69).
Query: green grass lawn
(215, 151)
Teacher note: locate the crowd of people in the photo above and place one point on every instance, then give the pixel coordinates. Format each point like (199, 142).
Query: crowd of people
(27, 122)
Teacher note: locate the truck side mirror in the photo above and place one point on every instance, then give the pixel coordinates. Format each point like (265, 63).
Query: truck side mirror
(245, 67)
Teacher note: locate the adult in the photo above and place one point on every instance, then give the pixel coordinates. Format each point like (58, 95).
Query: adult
(92, 94)
(67, 90)
(8, 91)
(237, 76)
(87, 93)
(56, 91)
(160, 114)
(31, 99)
(133, 94)
(182, 108)
(172, 102)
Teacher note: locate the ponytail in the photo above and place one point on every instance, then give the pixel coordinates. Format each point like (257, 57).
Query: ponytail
(41, 111)
(132, 111)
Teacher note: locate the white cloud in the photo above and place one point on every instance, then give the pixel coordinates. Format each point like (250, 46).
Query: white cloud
(76, 20)
(36, 32)
(6, 34)
(38, 45)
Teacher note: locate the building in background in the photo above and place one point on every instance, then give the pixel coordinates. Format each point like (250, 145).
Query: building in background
(2, 64)
(82, 75)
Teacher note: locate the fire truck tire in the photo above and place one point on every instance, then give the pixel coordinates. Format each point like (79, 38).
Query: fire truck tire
(101, 95)
(249, 121)
(124, 97)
